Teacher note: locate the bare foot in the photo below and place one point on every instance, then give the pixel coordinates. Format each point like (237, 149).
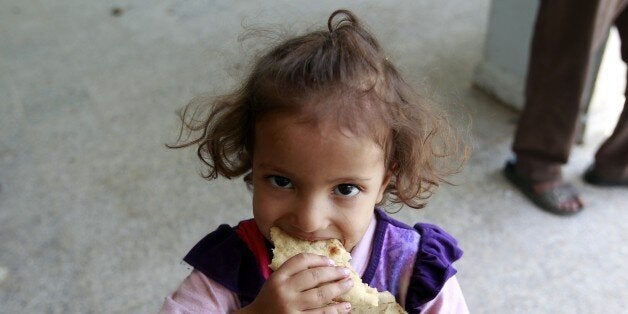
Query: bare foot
(571, 202)
(557, 197)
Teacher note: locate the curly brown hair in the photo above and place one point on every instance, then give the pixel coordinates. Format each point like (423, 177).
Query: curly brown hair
(340, 73)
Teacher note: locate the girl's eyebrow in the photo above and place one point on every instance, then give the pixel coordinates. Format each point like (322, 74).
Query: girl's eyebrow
(350, 179)
(269, 167)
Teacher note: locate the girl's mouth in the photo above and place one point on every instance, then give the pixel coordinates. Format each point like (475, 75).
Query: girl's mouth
(307, 236)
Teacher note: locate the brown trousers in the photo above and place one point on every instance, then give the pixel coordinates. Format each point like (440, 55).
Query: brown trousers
(567, 37)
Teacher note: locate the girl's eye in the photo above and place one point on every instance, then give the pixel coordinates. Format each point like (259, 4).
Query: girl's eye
(346, 190)
(280, 182)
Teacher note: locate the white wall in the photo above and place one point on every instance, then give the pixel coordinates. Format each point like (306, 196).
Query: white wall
(503, 69)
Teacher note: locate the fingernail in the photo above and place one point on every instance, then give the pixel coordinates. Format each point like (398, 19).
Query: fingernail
(349, 282)
(347, 306)
(331, 262)
(346, 271)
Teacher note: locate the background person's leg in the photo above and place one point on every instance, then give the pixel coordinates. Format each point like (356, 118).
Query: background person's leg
(567, 35)
(611, 160)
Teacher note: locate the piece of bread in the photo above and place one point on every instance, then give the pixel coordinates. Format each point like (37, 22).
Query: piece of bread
(386, 305)
(363, 298)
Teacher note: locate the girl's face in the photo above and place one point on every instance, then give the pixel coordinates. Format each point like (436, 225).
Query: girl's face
(314, 181)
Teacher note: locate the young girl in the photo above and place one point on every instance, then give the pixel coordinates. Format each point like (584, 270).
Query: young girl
(324, 130)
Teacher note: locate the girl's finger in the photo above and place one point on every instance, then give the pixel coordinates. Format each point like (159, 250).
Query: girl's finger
(303, 261)
(322, 295)
(317, 276)
(343, 307)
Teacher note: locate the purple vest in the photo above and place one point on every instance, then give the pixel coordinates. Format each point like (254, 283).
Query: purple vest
(226, 259)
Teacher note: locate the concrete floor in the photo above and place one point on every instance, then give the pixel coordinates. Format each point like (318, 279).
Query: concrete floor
(96, 214)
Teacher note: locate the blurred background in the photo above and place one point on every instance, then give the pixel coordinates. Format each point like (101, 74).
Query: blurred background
(96, 214)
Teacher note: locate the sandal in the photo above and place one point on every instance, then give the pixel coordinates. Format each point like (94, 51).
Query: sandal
(593, 178)
(549, 199)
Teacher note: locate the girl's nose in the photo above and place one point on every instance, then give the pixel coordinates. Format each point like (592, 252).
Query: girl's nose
(310, 215)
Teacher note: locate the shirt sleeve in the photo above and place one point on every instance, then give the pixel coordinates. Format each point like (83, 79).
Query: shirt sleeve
(448, 300)
(197, 293)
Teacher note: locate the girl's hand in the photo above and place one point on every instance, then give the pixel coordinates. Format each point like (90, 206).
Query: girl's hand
(304, 283)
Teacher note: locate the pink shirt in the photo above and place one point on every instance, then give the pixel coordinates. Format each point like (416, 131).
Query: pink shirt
(199, 294)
